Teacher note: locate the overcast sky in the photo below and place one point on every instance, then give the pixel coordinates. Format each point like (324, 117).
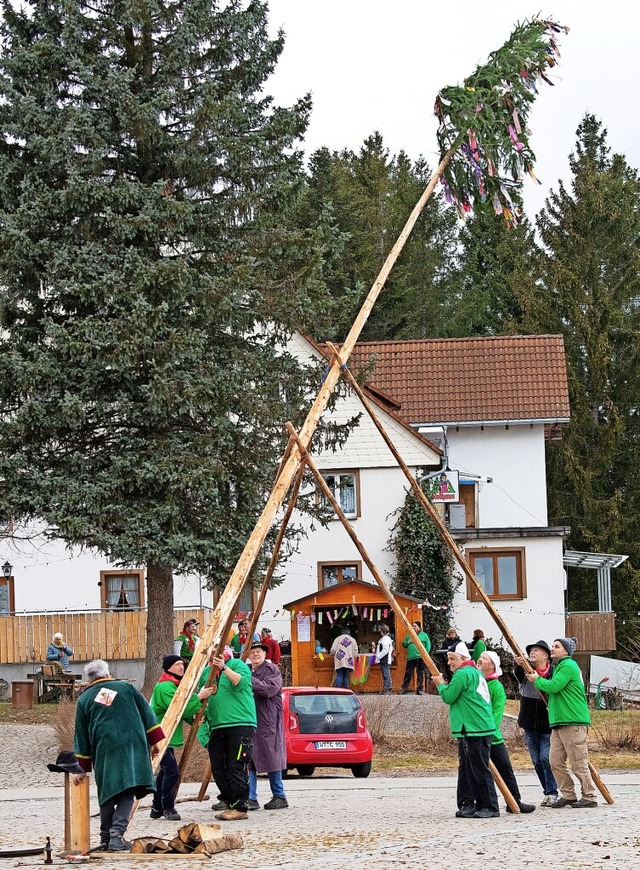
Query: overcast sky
(378, 65)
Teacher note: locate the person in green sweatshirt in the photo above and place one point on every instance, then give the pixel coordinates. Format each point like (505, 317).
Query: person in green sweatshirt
(569, 720)
(472, 724)
(414, 660)
(227, 733)
(477, 645)
(173, 667)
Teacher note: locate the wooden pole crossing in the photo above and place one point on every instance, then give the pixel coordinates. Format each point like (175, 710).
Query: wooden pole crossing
(388, 594)
(451, 544)
(287, 472)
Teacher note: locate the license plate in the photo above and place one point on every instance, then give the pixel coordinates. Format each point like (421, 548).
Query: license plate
(331, 744)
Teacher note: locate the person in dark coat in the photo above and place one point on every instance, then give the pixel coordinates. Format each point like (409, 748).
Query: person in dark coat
(115, 729)
(533, 717)
(269, 753)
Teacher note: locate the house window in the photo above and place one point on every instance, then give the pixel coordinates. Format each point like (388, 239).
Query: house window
(501, 573)
(121, 590)
(345, 486)
(6, 526)
(7, 599)
(332, 573)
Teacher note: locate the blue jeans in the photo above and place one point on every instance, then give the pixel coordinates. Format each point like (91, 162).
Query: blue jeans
(275, 784)
(538, 746)
(385, 668)
(342, 678)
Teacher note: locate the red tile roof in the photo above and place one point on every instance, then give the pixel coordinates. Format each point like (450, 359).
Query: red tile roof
(461, 380)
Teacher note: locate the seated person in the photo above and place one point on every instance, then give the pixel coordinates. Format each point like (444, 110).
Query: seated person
(58, 651)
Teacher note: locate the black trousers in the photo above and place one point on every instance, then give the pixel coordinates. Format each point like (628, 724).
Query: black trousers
(475, 783)
(414, 665)
(230, 753)
(163, 798)
(500, 757)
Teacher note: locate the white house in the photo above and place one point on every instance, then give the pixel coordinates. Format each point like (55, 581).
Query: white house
(485, 406)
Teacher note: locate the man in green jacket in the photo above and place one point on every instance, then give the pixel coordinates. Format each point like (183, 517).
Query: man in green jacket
(414, 660)
(569, 720)
(172, 672)
(227, 732)
(472, 724)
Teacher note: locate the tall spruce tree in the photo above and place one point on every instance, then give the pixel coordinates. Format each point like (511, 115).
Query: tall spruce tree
(590, 292)
(369, 196)
(149, 275)
(496, 265)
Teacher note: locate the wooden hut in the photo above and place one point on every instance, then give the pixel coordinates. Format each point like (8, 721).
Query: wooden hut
(315, 621)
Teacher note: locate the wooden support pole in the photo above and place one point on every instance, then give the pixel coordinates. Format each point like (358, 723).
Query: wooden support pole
(288, 470)
(275, 555)
(511, 801)
(451, 544)
(77, 832)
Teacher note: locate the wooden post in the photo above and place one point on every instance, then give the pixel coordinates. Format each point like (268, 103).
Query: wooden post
(288, 470)
(77, 833)
(451, 544)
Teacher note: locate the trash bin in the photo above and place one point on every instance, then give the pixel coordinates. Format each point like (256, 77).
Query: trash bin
(22, 694)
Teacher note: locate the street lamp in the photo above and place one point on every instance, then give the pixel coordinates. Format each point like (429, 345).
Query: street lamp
(7, 569)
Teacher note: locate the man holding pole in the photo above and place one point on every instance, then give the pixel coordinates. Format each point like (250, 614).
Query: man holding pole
(570, 720)
(472, 724)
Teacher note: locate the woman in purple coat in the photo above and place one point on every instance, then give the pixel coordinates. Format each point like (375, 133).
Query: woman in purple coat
(269, 753)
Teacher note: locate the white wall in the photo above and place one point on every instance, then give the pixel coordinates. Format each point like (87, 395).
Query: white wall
(541, 615)
(48, 576)
(515, 459)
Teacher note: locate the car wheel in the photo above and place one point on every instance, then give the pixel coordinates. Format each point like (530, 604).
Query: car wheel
(305, 770)
(360, 771)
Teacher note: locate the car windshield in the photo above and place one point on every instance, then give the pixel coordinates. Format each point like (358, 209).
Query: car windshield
(325, 713)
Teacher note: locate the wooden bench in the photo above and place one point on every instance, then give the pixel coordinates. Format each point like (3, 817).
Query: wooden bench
(56, 684)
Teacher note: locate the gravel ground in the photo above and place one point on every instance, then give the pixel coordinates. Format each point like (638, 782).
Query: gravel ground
(335, 820)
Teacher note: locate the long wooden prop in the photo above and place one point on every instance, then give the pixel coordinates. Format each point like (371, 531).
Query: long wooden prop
(206, 779)
(451, 544)
(273, 562)
(288, 470)
(388, 594)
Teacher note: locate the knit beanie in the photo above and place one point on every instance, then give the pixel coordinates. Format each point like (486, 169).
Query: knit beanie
(569, 643)
(168, 661)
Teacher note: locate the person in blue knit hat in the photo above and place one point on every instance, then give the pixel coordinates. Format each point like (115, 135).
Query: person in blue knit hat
(569, 720)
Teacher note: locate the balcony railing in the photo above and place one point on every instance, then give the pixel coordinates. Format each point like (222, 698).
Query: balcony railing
(596, 632)
(101, 634)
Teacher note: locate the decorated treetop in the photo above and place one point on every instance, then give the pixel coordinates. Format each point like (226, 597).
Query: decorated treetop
(485, 120)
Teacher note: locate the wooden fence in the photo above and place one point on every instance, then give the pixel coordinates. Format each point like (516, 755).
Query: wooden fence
(596, 632)
(102, 634)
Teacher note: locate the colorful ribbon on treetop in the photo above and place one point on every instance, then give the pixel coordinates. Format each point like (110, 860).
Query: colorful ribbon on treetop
(489, 113)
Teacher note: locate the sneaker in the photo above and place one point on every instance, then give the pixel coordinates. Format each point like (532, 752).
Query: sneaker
(155, 814)
(118, 844)
(221, 805)
(276, 803)
(584, 802)
(252, 805)
(466, 811)
(524, 808)
(231, 815)
(549, 800)
(562, 802)
(172, 815)
(486, 813)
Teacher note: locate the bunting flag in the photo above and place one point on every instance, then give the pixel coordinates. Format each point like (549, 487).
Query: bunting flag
(330, 618)
(320, 617)
(487, 118)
